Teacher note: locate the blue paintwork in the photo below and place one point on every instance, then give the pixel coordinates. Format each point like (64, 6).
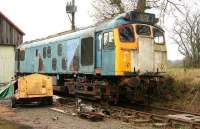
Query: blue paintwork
(108, 62)
(71, 45)
(98, 40)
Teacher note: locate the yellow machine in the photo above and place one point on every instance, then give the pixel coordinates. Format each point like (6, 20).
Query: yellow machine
(32, 88)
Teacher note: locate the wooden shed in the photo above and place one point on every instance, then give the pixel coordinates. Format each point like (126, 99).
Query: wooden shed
(10, 37)
(9, 33)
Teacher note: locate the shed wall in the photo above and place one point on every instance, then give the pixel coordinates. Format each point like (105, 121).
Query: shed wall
(7, 63)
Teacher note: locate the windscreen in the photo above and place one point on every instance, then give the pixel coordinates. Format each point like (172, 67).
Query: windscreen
(126, 33)
(143, 30)
(158, 36)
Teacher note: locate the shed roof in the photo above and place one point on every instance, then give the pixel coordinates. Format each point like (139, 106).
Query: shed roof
(10, 22)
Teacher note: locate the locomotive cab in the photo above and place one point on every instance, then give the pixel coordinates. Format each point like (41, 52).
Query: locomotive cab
(140, 47)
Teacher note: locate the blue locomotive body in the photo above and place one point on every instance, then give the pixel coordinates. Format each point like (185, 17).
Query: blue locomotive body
(98, 61)
(79, 52)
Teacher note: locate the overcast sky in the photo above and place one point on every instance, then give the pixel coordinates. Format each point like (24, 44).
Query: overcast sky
(40, 18)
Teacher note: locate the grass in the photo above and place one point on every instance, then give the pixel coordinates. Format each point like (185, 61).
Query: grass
(184, 90)
(181, 74)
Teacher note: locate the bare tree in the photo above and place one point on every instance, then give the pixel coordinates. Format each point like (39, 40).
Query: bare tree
(106, 9)
(187, 36)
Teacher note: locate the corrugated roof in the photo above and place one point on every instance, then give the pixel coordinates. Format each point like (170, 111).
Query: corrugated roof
(10, 22)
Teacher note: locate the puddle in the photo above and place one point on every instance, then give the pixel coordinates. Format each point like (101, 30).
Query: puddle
(4, 124)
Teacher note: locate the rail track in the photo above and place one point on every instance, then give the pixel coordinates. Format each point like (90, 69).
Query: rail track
(183, 118)
(156, 116)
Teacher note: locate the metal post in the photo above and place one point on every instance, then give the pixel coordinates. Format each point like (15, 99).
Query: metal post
(71, 9)
(73, 15)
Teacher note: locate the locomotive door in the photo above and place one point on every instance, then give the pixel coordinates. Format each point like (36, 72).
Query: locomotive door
(108, 53)
(98, 40)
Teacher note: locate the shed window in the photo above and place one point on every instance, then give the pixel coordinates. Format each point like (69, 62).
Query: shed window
(49, 52)
(59, 49)
(108, 40)
(126, 33)
(143, 30)
(87, 51)
(64, 63)
(54, 64)
(22, 55)
(44, 52)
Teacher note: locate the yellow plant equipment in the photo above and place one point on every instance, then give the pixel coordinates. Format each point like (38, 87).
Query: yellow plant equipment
(32, 88)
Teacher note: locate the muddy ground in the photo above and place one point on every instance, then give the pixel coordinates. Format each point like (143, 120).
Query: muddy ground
(42, 117)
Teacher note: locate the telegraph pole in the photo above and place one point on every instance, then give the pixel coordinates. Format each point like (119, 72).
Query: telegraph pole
(73, 15)
(71, 8)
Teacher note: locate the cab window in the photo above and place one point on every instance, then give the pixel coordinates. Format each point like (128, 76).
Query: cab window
(126, 33)
(143, 30)
(108, 40)
(158, 36)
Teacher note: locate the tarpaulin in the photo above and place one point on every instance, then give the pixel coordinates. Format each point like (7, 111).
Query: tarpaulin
(7, 91)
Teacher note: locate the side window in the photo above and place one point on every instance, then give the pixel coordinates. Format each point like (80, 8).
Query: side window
(158, 36)
(126, 33)
(100, 41)
(44, 52)
(108, 40)
(64, 63)
(40, 64)
(54, 64)
(143, 30)
(49, 52)
(36, 52)
(87, 51)
(22, 55)
(59, 49)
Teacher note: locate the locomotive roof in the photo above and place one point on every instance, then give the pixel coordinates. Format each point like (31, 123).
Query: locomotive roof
(58, 37)
(108, 24)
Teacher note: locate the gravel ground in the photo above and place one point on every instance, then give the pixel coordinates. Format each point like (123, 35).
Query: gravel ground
(43, 118)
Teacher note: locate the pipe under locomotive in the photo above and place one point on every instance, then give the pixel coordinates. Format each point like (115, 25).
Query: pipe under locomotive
(110, 61)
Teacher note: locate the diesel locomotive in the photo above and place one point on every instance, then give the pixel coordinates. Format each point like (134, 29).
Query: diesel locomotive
(108, 61)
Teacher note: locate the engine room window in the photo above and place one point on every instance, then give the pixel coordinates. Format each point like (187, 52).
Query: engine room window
(143, 30)
(108, 40)
(59, 49)
(54, 64)
(158, 36)
(49, 52)
(22, 55)
(40, 68)
(86, 51)
(64, 63)
(44, 52)
(126, 33)
(36, 52)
